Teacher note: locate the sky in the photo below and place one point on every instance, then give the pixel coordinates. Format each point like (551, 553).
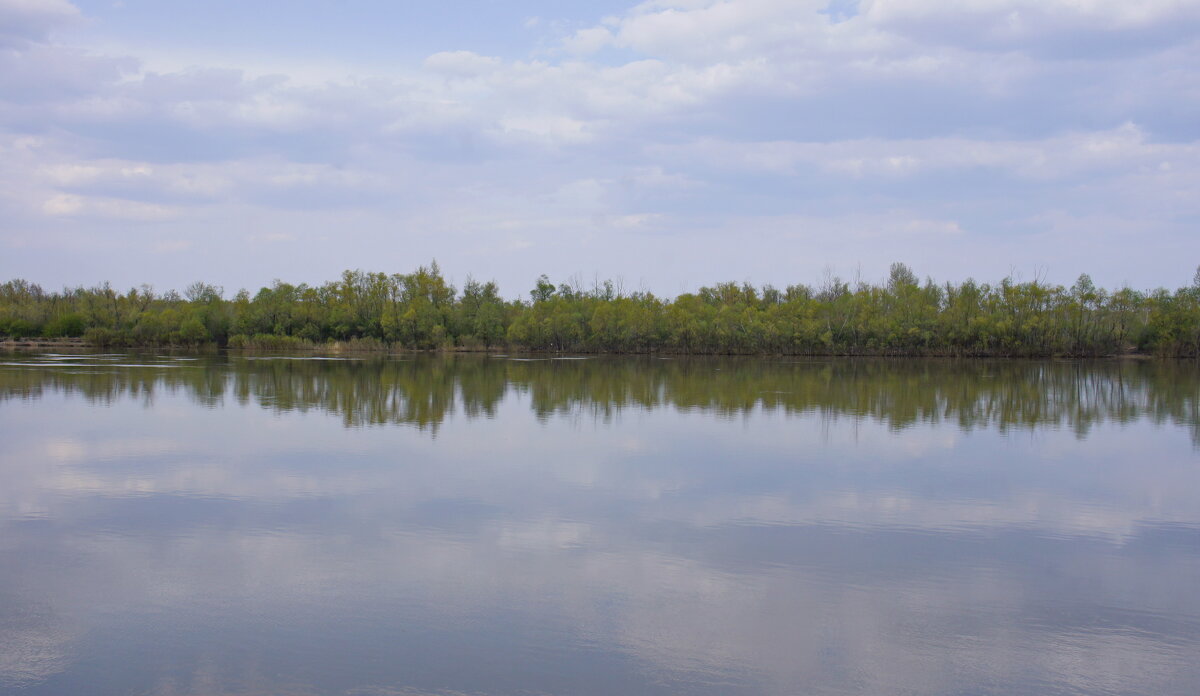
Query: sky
(667, 144)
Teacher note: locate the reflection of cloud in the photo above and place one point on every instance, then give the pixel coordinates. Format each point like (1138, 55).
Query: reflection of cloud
(544, 535)
(71, 450)
(1029, 510)
(34, 644)
(943, 623)
(212, 679)
(777, 551)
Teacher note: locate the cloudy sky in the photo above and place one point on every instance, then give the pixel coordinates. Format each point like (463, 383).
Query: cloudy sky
(668, 144)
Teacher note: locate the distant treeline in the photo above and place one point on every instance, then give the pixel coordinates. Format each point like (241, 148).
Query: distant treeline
(420, 310)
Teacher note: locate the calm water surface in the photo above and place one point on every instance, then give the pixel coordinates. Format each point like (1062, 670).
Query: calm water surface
(470, 526)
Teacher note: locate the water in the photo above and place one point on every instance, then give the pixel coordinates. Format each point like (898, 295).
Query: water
(447, 526)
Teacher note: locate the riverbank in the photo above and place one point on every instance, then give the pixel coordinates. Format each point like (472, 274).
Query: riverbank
(370, 347)
(42, 343)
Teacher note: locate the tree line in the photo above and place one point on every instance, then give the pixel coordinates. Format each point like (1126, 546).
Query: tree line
(422, 311)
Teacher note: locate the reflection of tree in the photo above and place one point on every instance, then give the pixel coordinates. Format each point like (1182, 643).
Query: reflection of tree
(423, 390)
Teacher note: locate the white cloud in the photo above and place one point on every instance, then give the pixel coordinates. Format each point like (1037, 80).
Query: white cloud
(720, 30)
(172, 246)
(588, 40)
(63, 204)
(655, 177)
(461, 64)
(69, 205)
(274, 237)
(557, 129)
(1112, 13)
(681, 113)
(22, 21)
(1119, 151)
(1039, 24)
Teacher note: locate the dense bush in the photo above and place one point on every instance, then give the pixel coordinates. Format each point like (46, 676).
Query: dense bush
(420, 310)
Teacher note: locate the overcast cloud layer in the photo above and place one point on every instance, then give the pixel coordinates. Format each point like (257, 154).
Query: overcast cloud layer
(669, 144)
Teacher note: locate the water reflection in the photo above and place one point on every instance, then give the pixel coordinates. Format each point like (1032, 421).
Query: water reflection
(701, 527)
(424, 390)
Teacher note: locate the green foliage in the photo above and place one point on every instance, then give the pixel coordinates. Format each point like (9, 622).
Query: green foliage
(543, 290)
(16, 327)
(104, 337)
(72, 325)
(421, 310)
